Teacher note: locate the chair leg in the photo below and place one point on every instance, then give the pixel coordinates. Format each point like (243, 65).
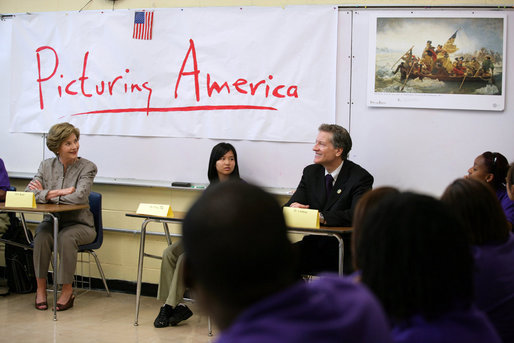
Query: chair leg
(100, 270)
(209, 325)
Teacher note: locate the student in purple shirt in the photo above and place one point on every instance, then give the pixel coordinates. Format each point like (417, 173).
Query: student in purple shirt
(492, 168)
(4, 187)
(4, 181)
(478, 209)
(241, 266)
(4, 218)
(415, 257)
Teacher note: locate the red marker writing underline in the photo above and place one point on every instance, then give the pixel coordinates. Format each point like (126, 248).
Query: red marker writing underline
(179, 109)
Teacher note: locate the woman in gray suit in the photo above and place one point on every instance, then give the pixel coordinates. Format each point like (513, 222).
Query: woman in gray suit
(64, 179)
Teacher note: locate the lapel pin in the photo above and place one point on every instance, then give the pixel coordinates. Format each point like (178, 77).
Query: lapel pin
(338, 191)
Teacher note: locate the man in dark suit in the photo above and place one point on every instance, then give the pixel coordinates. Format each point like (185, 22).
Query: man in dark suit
(332, 185)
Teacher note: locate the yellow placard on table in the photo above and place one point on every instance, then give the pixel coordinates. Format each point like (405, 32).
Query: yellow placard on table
(301, 217)
(155, 210)
(20, 199)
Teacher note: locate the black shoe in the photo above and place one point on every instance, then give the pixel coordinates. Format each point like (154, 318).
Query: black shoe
(180, 313)
(163, 319)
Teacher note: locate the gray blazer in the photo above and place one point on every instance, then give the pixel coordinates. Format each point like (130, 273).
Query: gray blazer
(79, 175)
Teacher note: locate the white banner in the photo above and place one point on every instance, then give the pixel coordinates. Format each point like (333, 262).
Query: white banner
(256, 73)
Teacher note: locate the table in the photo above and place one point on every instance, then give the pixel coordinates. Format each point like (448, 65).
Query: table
(51, 210)
(329, 231)
(179, 217)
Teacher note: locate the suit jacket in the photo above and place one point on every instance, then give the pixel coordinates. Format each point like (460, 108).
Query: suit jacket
(353, 181)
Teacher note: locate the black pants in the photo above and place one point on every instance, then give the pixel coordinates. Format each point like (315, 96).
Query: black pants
(318, 254)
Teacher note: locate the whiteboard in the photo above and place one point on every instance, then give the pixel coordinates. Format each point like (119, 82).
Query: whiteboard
(423, 149)
(158, 161)
(416, 149)
(20, 152)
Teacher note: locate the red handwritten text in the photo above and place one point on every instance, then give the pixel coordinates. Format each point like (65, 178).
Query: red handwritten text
(83, 86)
(116, 85)
(241, 85)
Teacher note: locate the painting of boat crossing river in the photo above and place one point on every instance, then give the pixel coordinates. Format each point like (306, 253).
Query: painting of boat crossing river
(439, 55)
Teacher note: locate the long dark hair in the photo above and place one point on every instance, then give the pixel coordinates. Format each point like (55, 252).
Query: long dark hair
(415, 257)
(217, 152)
(477, 207)
(365, 204)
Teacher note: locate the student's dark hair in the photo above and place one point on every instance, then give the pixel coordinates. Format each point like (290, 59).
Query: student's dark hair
(236, 244)
(497, 165)
(415, 257)
(510, 175)
(217, 152)
(340, 138)
(477, 207)
(366, 203)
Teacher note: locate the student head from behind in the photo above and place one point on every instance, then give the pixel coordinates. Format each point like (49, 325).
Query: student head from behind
(510, 182)
(240, 265)
(237, 249)
(490, 167)
(223, 163)
(414, 256)
(366, 203)
(476, 206)
(332, 145)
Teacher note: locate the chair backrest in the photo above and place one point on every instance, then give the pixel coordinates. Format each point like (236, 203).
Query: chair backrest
(95, 206)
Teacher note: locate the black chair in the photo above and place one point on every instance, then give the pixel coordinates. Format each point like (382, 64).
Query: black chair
(95, 205)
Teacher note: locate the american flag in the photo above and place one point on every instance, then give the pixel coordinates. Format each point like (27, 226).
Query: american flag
(143, 23)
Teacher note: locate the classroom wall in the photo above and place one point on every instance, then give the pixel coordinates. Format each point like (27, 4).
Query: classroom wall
(16, 6)
(119, 253)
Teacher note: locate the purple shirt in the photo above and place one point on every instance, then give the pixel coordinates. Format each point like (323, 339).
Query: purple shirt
(470, 326)
(507, 204)
(494, 285)
(328, 309)
(4, 178)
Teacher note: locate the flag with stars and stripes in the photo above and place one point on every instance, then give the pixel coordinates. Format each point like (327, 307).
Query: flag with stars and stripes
(143, 23)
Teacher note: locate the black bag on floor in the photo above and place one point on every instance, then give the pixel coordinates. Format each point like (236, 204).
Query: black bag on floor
(19, 263)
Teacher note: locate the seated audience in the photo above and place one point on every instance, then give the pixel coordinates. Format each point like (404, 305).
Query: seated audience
(478, 209)
(492, 168)
(222, 166)
(239, 263)
(415, 257)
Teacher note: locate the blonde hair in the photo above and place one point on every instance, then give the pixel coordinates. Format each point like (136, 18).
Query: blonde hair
(58, 133)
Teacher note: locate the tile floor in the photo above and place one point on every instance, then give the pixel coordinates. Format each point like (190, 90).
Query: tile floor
(94, 318)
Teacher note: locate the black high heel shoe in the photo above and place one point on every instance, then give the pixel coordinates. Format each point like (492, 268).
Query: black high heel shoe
(42, 306)
(67, 306)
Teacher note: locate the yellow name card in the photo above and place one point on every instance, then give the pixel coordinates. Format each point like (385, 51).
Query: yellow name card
(301, 217)
(20, 199)
(155, 210)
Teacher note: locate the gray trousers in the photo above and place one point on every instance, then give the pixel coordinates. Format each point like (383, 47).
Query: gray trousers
(68, 240)
(171, 285)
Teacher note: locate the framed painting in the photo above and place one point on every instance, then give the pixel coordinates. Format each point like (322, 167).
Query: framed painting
(438, 59)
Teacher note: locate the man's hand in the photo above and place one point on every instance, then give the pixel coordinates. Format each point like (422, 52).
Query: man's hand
(298, 205)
